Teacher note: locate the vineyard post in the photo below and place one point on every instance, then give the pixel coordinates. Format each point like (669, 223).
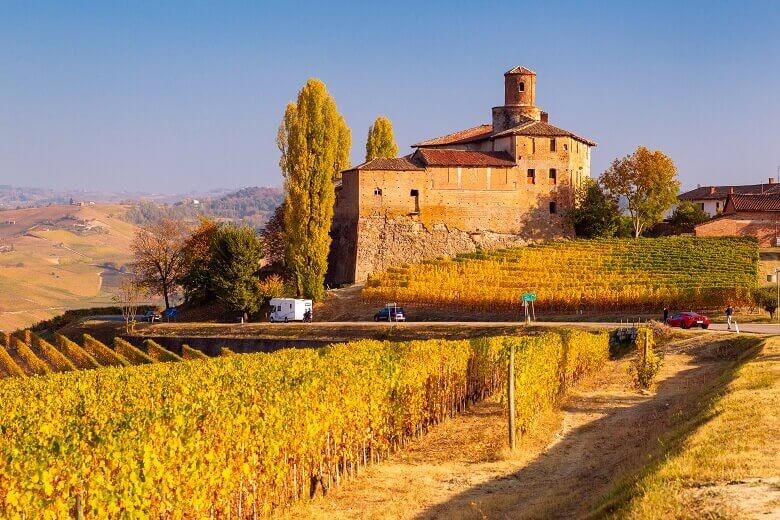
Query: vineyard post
(511, 394)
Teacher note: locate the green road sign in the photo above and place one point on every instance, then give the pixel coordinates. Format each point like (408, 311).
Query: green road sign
(529, 297)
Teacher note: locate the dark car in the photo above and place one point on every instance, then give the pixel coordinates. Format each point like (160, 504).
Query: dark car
(390, 314)
(686, 320)
(151, 316)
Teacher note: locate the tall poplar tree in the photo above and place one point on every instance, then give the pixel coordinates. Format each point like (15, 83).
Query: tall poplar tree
(314, 141)
(381, 142)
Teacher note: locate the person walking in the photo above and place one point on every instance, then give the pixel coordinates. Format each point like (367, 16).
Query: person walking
(729, 313)
(666, 314)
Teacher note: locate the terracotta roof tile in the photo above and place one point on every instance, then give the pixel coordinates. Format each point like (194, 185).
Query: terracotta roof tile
(445, 157)
(754, 202)
(520, 70)
(540, 128)
(463, 136)
(721, 192)
(396, 164)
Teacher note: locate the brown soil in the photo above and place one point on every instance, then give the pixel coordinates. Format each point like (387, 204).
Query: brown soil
(604, 431)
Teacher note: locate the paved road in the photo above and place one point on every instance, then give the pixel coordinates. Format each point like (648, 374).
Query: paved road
(756, 328)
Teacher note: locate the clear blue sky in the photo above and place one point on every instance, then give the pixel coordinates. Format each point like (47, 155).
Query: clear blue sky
(178, 96)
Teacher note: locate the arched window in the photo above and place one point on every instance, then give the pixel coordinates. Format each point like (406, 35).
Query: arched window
(521, 86)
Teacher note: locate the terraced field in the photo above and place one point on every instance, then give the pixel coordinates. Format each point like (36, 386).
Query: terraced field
(679, 272)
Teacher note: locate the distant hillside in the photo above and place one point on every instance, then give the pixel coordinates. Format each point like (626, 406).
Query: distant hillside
(60, 257)
(252, 206)
(15, 197)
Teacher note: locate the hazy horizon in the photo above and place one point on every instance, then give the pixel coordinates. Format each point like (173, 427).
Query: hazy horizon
(187, 96)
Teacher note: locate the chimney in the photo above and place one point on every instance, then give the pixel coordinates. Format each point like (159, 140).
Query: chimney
(771, 180)
(731, 189)
(545, 117)
(712, 190)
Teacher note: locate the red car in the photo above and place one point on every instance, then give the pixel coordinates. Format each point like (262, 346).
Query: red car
(686, 320)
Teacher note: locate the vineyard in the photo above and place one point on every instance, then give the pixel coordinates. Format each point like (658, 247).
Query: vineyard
(572, 275)
(243, 435)
(28, 354)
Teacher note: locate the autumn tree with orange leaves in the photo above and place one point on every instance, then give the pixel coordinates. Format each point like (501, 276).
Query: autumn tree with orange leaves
(647, 181)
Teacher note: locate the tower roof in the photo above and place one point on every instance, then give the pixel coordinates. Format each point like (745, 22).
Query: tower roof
(519, 70)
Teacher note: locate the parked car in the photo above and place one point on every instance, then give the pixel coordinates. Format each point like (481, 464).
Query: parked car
(686, 320)
(151, 316)
(390, 314)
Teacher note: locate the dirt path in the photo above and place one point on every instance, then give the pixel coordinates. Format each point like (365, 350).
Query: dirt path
(463, 469)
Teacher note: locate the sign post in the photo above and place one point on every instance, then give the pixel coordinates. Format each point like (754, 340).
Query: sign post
(529, 298)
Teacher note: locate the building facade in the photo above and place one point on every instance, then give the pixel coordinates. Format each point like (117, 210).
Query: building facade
(489, 186)
(712, 199)
(746, 215)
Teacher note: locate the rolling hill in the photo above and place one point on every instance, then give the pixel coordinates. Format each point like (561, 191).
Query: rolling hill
(59, 257)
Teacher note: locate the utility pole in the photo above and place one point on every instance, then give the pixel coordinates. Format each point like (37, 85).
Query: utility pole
(511, 393)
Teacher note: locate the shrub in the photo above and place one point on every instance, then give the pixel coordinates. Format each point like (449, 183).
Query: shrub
(646, 365)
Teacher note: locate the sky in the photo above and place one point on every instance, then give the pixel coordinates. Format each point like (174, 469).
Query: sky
(179, 96)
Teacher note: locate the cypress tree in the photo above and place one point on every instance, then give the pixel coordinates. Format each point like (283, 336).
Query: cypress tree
(314, 140)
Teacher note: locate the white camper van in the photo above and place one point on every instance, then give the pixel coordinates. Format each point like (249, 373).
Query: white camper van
(289, 309)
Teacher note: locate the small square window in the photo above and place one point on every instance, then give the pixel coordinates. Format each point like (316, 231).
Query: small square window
(414, 193)
(565, 147)
(378, 191)
(553, 207)
(531, 177)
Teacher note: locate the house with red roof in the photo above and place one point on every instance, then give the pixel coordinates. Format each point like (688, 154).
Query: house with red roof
(747, 215)
(712, 199)
(491, 185)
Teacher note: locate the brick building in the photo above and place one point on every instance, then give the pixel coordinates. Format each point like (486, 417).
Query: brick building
(712, 199)
(492, 185)
(752, 215)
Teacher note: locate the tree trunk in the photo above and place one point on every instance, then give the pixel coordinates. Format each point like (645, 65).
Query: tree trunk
(165, 295)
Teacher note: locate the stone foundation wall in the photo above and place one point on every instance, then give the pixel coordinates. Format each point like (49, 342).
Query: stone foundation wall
(761, 226)
(384, 243)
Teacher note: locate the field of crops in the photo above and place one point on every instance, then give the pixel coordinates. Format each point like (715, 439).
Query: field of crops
(610, 274)
(28, 355)
(240, 436)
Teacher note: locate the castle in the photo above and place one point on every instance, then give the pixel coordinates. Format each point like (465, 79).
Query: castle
(489, 186)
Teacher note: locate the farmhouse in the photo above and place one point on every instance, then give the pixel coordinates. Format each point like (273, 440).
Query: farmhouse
(753, 215)
(712, 199)
(493, 185)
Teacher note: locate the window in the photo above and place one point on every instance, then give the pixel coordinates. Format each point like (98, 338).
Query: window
(553, 207)
(552, 144)
(565, 147)
(717, 205)
(531, 178)
(553, 176)
(521, 86)
(701, 205)
(416, 195)
(378, 191)
(533, 145)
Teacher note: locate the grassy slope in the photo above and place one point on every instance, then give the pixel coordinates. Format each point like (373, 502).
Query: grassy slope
(723, 461)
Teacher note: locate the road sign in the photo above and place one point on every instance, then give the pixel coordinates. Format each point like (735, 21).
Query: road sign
(529, 297)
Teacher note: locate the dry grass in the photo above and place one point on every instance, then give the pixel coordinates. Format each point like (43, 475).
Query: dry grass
(729, 466)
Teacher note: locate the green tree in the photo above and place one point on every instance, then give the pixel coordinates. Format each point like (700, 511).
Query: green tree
(235, 261)
(687, 216)
(647, 179)
(766, 298)
(314, 141)
(381, 142)
(595, 214)
(195, 277)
